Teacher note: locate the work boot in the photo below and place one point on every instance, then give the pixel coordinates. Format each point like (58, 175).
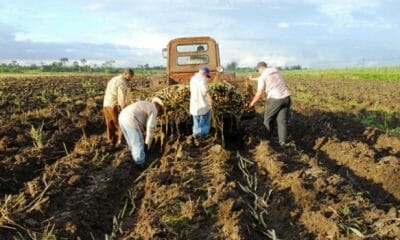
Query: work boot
(287, 145)
(283, 144)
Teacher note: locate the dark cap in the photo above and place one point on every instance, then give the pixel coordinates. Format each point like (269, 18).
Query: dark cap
(206, 70)
(261, 64)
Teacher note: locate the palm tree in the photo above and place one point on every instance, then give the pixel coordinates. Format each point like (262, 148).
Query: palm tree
(83, 61)
(64, 61)
(14, 63)
(76, 65)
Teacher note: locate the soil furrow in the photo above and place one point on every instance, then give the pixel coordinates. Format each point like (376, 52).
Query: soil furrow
(359, 158)
(326, 203)
(337, 179)
(187, 197)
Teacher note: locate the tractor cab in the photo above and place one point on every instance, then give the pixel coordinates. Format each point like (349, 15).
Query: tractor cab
(184, 58)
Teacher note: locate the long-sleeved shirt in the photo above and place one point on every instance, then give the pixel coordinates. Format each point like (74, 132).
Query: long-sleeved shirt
(117, 93)
(272, 82)
(141, 115)
(198, 95)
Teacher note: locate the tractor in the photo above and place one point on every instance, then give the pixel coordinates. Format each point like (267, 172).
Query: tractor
(184, 58)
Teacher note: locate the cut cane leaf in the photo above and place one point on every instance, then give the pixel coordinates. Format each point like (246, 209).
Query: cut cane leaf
(356, 232)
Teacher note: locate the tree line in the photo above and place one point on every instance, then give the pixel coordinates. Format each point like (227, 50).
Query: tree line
(65, 65)
(233, 66)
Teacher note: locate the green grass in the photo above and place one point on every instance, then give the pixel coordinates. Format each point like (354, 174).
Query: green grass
(384, 120)
(374, 74)
(391, 74)
(377, 115)
(175, 220)
(37, 136)
(40, 74)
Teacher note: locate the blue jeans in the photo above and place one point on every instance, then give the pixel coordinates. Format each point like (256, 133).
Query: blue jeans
(201, 125)
(134, 138)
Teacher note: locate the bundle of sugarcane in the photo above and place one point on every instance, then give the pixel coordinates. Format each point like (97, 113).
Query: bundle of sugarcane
(176, 102)
(229, 102)
(176, 109)
(228, 99)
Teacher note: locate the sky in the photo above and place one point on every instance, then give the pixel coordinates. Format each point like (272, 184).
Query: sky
(310, 33)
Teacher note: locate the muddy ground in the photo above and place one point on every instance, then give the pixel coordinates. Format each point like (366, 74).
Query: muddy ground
(338, 179)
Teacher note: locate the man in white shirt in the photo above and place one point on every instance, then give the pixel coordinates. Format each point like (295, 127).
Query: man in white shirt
(278, 99)
(200, 103)
(138, 120)
(115, 99)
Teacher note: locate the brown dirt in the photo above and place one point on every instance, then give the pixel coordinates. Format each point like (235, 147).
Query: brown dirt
(337, 179)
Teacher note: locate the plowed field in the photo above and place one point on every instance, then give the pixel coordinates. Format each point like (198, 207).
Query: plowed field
(337, 179)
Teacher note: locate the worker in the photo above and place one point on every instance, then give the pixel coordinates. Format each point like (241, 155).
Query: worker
(116, 97)
(200, 104)
(198, 59)
(138, 120)
(278, 99)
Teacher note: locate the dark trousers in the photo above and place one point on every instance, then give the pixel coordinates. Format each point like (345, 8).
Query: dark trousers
(278, 109)
(111, 117)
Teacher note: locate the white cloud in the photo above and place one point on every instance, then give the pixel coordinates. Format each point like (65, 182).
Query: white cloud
(344, 8)
(134, 32)
(344, 13)
(251, 55)
(95, 6)
(143, 38)
(283, 25)
(309, 24)
(279, 60)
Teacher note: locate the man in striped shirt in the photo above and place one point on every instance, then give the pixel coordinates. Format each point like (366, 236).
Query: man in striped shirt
(278, 99)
